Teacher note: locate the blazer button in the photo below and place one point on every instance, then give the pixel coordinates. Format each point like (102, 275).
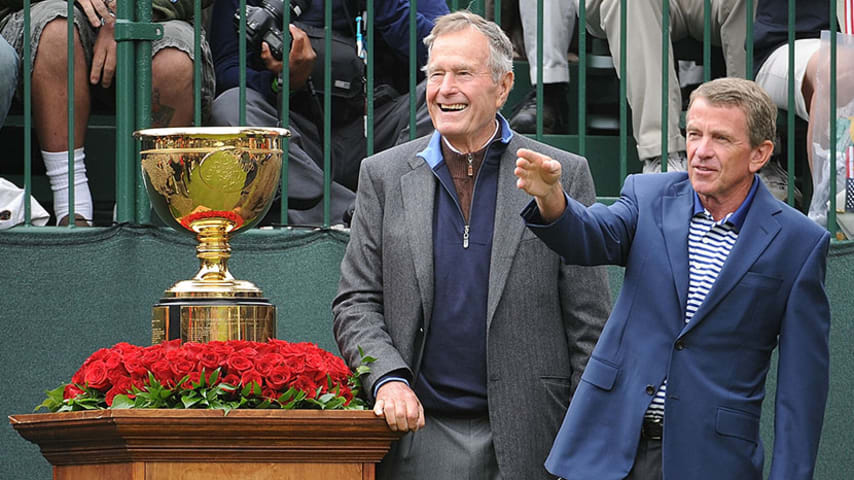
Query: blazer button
(650, 390)
(680, 345)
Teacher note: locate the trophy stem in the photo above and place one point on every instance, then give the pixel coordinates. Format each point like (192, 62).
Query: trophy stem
(213, 250)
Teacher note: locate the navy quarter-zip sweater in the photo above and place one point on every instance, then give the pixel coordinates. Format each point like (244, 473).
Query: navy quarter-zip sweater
(452, 378)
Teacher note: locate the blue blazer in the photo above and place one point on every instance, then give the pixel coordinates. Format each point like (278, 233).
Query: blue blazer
(770, 293)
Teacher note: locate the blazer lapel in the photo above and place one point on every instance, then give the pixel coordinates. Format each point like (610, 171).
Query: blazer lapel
(418, 188)
(507, 231)
(759, 229)
(675, 220)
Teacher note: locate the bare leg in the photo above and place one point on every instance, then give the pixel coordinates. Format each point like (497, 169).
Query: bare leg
(172, 88)
(50, 89)
(808, 88)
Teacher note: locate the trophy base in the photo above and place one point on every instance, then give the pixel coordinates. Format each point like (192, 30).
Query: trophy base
(208, 319)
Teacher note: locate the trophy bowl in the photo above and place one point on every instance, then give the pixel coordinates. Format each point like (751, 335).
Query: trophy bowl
(212, 183)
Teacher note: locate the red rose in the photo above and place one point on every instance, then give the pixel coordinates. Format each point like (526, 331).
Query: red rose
(239, 344)
(125, 348)
(270, 393)
(181, 363)
(71, 391)
(336, 366)
(305, 384)
(209, 359)
(232, 380)
(266, 362)
(96, 376)
(133, 365)
(151, 356)
(124, 387)
(113, 359)
(171, 345)
(238, 363)
(221, 348)
(279, 377)
(252, 376)
(162, 371)
(194, 378)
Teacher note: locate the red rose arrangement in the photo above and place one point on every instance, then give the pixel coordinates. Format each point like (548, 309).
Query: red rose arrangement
(223, 375)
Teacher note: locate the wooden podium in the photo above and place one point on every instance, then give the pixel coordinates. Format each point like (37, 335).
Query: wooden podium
(154, 444)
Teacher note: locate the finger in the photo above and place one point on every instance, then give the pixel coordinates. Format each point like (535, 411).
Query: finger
(91, 14)
(378, 408)
(402, 416)
(389, 409)
(421, 421)
(296, 32)
(414, 416)
(101, 9)
(97, 64)
(109, 69)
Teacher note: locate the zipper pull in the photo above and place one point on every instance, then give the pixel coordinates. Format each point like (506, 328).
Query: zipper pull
(469, 159)
(466, 237)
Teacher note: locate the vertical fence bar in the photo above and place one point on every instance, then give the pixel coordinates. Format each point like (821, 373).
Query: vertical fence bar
(327, 112)
(539, 61)
(71, 122)
(125, 144)
(707, 39)
(790, 107)
(831, 214)
(284, 114)
(197, 64)
(665, 80)
(241, 48)
(369, 127)
(27, 63)
(582, 78)
(413, 63)
(748, 57)
(624, 115)
(143, 100)
(497, 12)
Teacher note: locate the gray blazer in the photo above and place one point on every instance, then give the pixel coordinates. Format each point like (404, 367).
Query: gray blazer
(543, 317)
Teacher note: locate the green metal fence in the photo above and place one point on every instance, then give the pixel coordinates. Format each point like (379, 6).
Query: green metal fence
(134, 30)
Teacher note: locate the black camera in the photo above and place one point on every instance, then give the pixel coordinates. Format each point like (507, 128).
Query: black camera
(264, 23)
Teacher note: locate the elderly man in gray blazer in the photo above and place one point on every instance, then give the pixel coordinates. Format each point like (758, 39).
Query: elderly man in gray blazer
(480, 333)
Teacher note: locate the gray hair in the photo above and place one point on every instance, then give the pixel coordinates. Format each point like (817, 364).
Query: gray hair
(757, 106)
(500, 47)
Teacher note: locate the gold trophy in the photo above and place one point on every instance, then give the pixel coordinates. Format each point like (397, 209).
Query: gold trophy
(212, 183)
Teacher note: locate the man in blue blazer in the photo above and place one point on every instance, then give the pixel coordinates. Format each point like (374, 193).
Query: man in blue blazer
(718, 274)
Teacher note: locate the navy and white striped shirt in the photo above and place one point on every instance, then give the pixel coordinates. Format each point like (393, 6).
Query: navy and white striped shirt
(709, 244)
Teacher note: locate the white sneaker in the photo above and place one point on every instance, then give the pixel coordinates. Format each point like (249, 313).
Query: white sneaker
(675, 163)
(777, 181)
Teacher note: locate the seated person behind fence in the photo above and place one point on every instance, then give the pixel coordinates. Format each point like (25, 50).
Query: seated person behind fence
(771, 50)
(644, 60)
(263, 101)
(558, 26)
(94, 70)
(8, 77)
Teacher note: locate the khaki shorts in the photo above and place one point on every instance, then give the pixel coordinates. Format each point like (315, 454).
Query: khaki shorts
(773, 76)
(176, 34)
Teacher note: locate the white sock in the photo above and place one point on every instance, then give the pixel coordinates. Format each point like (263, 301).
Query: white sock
(56, 164)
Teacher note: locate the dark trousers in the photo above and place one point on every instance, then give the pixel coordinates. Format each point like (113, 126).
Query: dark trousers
(647, 460)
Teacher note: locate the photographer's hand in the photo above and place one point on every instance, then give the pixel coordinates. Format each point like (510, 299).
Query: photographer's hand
(300, 58)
